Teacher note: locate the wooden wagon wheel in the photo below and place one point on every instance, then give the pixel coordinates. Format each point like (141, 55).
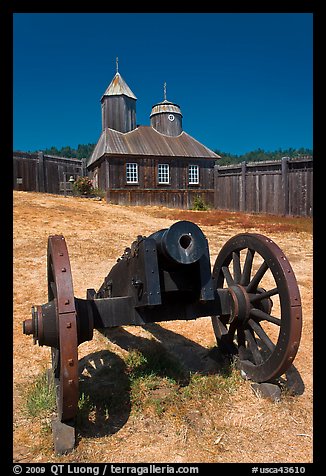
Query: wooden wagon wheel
(260, 281)
(65, 354)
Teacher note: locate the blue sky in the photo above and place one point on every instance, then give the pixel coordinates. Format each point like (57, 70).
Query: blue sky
(242, 80)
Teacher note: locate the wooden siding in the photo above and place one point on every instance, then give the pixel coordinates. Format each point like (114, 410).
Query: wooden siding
(112, 173)
(119, 113)
(277, 187)
(43, 173)
(177, 194)
(183, 199)
(162, 124)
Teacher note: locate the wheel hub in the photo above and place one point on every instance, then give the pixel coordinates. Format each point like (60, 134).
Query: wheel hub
(43, 325)
(240, 304)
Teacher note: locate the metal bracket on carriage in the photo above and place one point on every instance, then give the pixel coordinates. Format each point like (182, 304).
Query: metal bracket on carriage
(252, 297)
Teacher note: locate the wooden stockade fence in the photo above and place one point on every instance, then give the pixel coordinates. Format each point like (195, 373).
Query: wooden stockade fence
(45, 173)
(282, 187)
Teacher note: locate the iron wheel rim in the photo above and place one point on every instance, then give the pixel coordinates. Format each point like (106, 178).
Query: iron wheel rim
(64, 357)
(245, 338)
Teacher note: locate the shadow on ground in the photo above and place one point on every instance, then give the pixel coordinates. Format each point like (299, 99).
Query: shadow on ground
(104, 405)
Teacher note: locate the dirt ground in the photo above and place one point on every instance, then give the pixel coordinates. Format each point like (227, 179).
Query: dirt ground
(239, 427)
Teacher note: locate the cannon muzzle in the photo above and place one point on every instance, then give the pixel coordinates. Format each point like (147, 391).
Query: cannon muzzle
(182, 243)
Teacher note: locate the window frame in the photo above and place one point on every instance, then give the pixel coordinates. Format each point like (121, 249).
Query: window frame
(191, 175)
(133, 173)
(166, 182)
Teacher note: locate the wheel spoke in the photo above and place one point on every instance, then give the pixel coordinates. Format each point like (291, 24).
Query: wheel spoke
(252, 286)
(236, 266)
(52, 292)
(245, 278)
(253, 346)
(224, 336)
(264, 316)
(262, 334)
(241, 338)
(219, 327)
(55, 357)
(264, 295)
(227, 275)
(232, 329)
(53, 289)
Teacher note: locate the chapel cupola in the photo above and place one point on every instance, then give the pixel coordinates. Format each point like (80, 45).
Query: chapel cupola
(166, 117)
(118, 105)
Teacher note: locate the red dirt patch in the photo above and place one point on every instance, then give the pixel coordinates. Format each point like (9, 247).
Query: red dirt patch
(246, 221)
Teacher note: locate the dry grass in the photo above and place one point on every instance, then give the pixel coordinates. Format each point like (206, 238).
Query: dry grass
(200, 420)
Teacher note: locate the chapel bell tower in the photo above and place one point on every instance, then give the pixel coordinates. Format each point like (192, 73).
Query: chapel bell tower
(118, 105)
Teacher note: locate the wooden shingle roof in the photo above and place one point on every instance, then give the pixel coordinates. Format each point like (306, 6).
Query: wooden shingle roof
(117, 87)
(145, 140)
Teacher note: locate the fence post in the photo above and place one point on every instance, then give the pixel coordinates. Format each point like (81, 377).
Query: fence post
(243, 187)
(84, 166)
(41, 184)
(216, 168)
(285, 185)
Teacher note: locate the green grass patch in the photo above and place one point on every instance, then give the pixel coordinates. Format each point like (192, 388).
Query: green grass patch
(205, 386)
(154, 376)
(150, 380)
(160, 384)
(40, 397)
(156, 362)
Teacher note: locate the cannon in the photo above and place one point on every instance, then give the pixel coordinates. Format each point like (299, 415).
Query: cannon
(251, 295)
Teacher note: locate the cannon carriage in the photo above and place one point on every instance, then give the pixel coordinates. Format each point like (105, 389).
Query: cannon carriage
(251, 295)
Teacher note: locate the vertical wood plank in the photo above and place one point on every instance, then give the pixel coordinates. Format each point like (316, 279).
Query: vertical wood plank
(285, 185)
(41, 178)
(216, 186)
(243, 187)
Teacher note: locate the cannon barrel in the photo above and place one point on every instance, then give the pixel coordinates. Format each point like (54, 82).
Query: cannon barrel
(182, 243)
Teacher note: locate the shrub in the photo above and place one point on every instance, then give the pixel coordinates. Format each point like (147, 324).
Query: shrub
(83, 186)
(199, 204)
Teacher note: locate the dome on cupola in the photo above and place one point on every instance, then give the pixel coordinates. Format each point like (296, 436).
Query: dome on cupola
(166, 117)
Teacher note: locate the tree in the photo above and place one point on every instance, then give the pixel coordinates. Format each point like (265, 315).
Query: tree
(227, 158)
(261, 155)
(67, 151)
(84, 150)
